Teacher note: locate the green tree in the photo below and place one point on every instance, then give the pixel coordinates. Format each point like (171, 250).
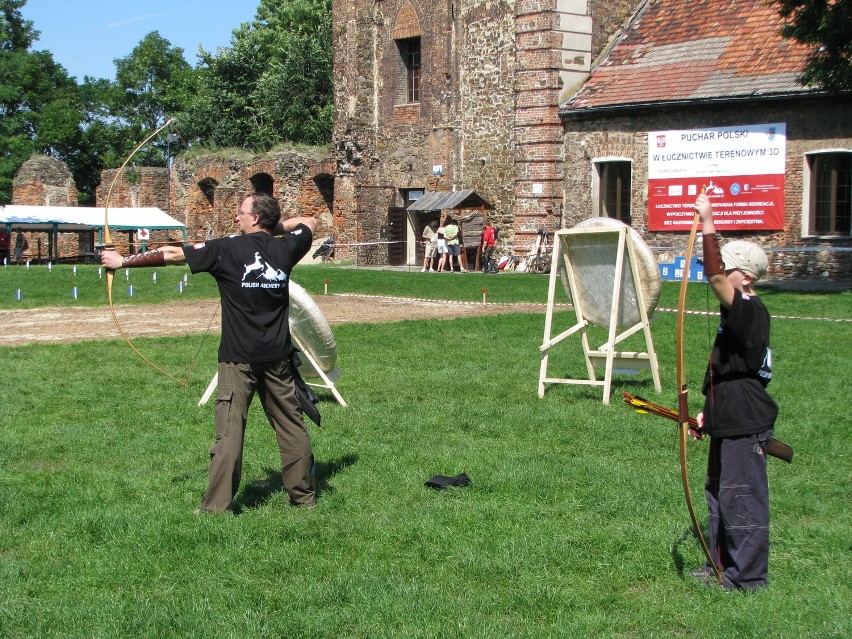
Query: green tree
(825, 25)
(274, 84)
(224, 113)
(153, 83)
(297, 89)
(40, 109)
(16, 34)
(103, 137)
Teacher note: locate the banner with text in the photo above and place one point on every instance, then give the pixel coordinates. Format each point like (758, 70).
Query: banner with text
(741, 169)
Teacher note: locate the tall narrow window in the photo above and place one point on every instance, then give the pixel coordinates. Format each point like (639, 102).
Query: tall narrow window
(613, 193)
(409, 49)
(830, 193)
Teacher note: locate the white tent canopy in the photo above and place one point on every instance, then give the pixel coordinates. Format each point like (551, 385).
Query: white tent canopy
(64, 219)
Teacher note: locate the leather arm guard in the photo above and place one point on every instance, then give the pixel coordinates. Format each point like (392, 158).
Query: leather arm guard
(713, 264)
(154, 257)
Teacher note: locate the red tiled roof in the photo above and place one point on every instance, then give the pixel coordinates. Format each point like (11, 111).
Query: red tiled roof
(679, 50)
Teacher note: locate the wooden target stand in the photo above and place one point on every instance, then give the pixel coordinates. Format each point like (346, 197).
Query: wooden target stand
(602, 279)
(328, 378)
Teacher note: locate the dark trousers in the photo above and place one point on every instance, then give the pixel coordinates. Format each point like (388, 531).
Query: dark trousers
(273, 382)
(737, 491)
(486, 256)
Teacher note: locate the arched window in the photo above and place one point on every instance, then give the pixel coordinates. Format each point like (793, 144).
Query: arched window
(208, 188)
(406, 34)
(409, 49)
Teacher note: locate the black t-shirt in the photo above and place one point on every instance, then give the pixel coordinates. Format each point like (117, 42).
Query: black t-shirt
(252, 272)
(740, 368)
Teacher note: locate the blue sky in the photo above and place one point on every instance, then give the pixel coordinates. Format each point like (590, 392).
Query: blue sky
(85, 36)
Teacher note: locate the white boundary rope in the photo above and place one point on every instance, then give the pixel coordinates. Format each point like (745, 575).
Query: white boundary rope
(464, 303)
(446, 302)
(817, 319)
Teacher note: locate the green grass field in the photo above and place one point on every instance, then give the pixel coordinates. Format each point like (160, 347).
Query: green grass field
(574, 526)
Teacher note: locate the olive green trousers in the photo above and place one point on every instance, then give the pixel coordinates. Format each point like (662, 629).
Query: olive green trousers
(273, 383)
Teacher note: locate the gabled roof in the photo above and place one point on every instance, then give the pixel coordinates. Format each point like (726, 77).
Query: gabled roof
(677, 51)
(80, 218)
(445, 200)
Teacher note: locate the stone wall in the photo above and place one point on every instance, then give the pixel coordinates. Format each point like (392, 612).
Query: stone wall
(202, 191)
(46, 181)
(487, 115)
(135, 187)
(206, 190)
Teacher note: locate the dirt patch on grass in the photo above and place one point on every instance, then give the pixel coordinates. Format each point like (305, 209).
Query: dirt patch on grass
(45, 325)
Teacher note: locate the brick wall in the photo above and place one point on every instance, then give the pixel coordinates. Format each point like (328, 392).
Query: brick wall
(203, 192)
(206, 190)
(46, 181)
(492, 76)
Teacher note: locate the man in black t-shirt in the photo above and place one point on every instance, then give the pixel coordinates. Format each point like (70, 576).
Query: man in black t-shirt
(739, 415)
(252, 271)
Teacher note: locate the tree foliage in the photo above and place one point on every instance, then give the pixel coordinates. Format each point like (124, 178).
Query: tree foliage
(154, 82)
(39, 104)
(273, 84)
(825, 25)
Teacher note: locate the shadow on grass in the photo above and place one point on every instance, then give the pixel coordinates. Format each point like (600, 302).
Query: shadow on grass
(687, 536)
(595, 393)
(260, 491)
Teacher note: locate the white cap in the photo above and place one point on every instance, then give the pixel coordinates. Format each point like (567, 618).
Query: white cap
(747, 257)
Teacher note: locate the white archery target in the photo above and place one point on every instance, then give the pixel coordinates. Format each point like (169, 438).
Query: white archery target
(593, 257)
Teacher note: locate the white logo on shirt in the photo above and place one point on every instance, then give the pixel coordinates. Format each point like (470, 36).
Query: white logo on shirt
(267, 275)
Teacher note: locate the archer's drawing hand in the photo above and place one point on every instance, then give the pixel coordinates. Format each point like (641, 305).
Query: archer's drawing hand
(698, 432)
